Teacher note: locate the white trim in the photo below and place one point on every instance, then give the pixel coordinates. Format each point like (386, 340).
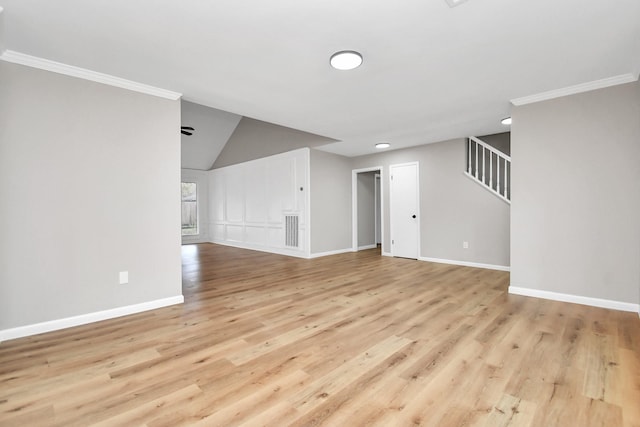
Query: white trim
(83, 319)
(486, 187)
(354, 204)
(467, 263)
(386, 253)
(307, 209)
(194, 239)
(490, 148)
(329, 253)
(261, 248)
(365, 247)
(572, 90)
(82, 73)
(576, 299)
(377, 193)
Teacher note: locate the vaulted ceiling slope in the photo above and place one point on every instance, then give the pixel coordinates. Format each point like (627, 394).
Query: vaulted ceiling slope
(430, 72)
(213, 128)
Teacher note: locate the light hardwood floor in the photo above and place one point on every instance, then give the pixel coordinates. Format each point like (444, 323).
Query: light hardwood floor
(347, 340)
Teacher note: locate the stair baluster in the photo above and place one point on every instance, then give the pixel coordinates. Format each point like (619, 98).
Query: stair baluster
(476, 168)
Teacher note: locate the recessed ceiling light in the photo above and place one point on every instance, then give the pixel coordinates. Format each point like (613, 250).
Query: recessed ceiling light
(506, 121)
(346, 60)
(454, 3)
(382, 145)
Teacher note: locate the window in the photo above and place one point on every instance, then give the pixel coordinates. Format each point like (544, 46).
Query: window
(189, 209)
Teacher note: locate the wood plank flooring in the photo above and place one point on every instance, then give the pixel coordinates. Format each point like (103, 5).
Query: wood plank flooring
(347, 340)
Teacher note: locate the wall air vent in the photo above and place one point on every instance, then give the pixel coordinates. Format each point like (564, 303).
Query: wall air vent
(291, 230)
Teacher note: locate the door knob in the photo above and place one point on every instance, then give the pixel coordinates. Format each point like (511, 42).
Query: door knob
(413, 216)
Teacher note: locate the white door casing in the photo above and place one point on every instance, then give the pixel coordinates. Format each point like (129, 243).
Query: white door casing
(378, 210)
(354, 204)
(404, 202)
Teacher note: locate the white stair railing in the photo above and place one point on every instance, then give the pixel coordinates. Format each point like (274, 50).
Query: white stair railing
(489, 167)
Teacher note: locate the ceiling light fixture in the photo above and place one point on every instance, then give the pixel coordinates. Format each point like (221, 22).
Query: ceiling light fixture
(346, 60)
(381, 145)
(454, 3)
(506, 121)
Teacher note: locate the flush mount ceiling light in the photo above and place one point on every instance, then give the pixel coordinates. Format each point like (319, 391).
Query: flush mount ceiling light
(506, 121)
(454, 3)
(346, 60)
(381, 145)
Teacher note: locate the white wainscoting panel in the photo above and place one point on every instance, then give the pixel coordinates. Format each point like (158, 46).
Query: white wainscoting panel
(255, 194)
(234, 192)
(275, 235)
(249, 201)
(255, 234)
(216, 210)
(217, 232)
(234, 233)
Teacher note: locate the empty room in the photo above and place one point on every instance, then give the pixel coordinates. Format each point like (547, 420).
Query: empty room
(285, 213)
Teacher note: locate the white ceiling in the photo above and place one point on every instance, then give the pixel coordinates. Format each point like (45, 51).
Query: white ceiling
(430, 72)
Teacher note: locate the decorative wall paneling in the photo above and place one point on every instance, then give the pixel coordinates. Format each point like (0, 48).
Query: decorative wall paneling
(249, 204)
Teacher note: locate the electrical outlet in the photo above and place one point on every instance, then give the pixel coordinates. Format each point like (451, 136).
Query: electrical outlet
(124, 277)
(465, 245)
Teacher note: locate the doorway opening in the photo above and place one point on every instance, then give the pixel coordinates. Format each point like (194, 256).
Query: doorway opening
(367, 212)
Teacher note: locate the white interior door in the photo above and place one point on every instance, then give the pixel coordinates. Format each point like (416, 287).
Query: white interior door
(404, 210)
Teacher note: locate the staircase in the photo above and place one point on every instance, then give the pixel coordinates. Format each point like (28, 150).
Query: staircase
(489, 167)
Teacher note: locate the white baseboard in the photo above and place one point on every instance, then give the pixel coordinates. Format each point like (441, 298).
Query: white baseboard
(576, 299)
(365, 247)
(260, 248)
(336, 252)
(467, 264)
(190, 241)
(83, 319)
(386, 253)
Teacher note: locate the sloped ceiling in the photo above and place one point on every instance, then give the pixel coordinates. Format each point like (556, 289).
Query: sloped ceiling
(254, 139)
(430, 72)
(212, 131)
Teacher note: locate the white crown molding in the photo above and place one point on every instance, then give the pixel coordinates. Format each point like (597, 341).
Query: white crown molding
(572, 90)
(82, 73)
(576, 299)
(83, 319)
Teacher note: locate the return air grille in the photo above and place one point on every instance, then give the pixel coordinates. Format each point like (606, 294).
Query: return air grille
(291, 230)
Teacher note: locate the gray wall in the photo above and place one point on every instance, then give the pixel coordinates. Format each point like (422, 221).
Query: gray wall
(453, 208)
(254, 139)
(213, 128)
(89, 187)
(501, 141)
(366, 209)
(330, 202)
(581, 235)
